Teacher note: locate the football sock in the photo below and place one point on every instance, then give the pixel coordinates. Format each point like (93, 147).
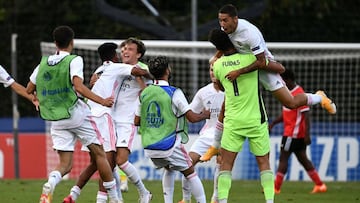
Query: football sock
(267, 182)
(111, 189)
(117, 181)
(75, 192)
(186, 191)
(168, 182)
(279, 180)
(218, 134)
(54, 178)
(134, 176)
(101, 197)
(215, 189)
(196, 187)
(224, 185)
(315, 177)
(313, 99)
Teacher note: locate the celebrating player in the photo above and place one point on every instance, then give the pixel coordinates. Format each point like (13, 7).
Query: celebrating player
(59, 81)
(245, 117)
(247, 38)
(162, 115)
(108, 84)
(209, 97)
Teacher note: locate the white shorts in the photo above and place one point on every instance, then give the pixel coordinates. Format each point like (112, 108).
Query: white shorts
(202, 144)
(105, 126)
(179, 160)
(270, 81)
(65, 139)
(125, 135)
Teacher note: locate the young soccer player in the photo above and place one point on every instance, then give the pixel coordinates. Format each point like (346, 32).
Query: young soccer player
(247, 38)
(295, 138)
(108, 84)
(162, 115)
(208, 97)
(58, 80)
(132, 50)
(245, 117)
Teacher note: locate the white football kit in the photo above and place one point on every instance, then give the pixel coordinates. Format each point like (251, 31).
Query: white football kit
(66, 132)
(107, 85)
(206, 98)
(247, 38)
(124, 109)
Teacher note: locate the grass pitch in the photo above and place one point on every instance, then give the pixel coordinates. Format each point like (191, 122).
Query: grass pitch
(28, 191)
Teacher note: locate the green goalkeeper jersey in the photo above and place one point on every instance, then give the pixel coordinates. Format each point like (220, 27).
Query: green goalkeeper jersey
(244, 107)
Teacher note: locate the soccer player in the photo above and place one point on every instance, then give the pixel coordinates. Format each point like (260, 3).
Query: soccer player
(162, 115)
(7, 80)
(108, 83)
(208, 97)
(296, 136)
(247, 38)
(132, 50)
(245, 117)
(58, 80)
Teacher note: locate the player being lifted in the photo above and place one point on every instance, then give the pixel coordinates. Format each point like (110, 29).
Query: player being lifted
(247, 38)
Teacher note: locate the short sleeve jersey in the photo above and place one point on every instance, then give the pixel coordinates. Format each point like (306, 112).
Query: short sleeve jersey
(126, 104)
(5, 77)
(244, 107)
(247, 38)
(208, 97)
(294, 119)
(108, 84)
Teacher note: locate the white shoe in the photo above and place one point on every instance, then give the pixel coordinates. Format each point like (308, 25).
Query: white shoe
(145, 198)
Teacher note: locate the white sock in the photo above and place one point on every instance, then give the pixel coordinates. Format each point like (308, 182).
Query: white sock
(313, 99)
(54, 178)
(117, 181)
(186, 188)
(168, 182)
(101, 197)
(111, 189)
(218, 134)
(215, 189)
(197, 188)
(75, 192)
(134, 177)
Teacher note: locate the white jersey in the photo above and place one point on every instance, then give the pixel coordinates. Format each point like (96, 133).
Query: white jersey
(80, 110)
(127, 100)
(5, 77)
(247, 38)
(208, 98)
(108, 84)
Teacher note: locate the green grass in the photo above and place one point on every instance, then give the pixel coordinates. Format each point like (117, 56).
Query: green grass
(28, 191)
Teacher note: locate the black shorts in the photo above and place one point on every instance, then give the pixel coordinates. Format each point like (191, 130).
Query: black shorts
(290, 144)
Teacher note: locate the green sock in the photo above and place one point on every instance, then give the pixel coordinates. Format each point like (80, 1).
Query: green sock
(267, 182)
(224, 184)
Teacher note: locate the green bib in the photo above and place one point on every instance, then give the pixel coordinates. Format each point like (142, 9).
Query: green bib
(159, 125)
(54, 89)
